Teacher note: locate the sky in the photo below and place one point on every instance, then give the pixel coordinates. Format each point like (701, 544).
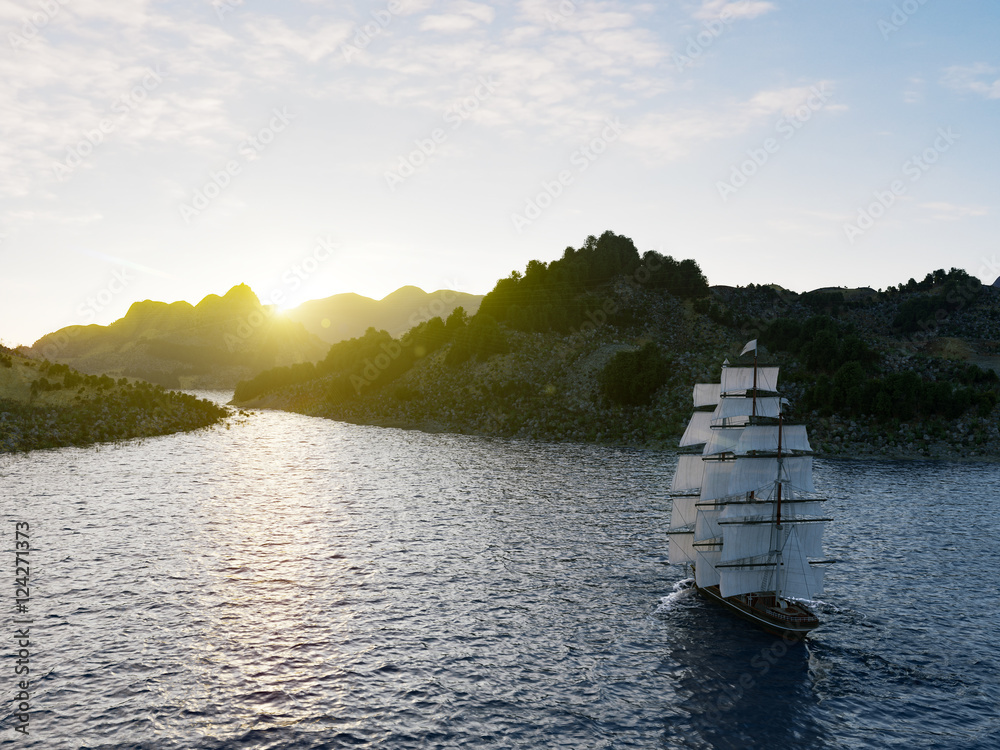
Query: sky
(170, 150)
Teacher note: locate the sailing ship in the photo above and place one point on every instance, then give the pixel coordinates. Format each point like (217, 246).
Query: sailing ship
(745, 515)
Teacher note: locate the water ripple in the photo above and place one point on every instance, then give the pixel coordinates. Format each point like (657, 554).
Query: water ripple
(300, 583)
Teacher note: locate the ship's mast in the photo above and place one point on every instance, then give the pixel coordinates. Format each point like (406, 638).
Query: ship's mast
(753, 412)
(777, 568)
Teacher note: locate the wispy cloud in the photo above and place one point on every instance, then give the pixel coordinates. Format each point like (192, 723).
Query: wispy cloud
(274, 37)
(675, 135)
(558, 73)
(461, 16)
(914, 92)
(979, 78)
(943, 211)
(732, 9)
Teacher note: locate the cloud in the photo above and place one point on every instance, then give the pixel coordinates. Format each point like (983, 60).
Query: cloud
(274, 37)
(562, 68)
(732, 9)
(449, 24)
(943, 211)
(675, 135)
(978, 78)
(463, 16)
(914, 93)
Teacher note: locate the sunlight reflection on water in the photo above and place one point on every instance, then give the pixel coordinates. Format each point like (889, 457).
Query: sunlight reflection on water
(293, 582)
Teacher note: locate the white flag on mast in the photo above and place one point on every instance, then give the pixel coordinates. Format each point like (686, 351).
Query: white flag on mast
(750, 347)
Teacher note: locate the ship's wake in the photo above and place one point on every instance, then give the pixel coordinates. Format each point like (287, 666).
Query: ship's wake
(677, 598)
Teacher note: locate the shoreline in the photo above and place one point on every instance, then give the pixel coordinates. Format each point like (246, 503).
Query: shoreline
(432, 427)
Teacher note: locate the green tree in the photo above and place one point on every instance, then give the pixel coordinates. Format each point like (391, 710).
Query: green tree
(633, 378)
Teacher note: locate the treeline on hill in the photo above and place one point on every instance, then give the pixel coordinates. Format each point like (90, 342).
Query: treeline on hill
(926, 306)
(377, 359)
(555, 296)
(845, 376)
(949, 292)
(547, 297)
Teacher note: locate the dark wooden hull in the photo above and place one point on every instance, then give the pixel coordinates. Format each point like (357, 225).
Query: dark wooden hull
(794, 621)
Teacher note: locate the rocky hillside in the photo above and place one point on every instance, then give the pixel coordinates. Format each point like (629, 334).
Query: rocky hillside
(49, 406)
(547, 385)
(213, 344)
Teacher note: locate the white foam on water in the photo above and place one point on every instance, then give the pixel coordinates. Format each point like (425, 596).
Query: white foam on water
(682, 590)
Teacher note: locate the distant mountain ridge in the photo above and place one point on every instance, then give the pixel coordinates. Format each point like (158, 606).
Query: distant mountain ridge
(213, 344)
(348, 316)
(222, 340)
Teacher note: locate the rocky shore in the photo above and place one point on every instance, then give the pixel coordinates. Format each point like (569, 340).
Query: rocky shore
(45, 406)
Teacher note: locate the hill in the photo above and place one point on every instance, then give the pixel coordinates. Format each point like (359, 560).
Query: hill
(45, 405)
(347, 316)
(178, 345)
(604, 345)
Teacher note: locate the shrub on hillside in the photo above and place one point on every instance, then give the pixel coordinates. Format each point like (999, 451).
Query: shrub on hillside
(633, 378)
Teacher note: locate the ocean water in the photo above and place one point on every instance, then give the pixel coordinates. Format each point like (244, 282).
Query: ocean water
(298, 583)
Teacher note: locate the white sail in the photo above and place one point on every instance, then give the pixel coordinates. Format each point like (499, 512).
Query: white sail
(764, 439)
(749, 540)
(681, 547)
(705, 573)
(805, 540)
(756, 545)
(799, 579)
(735, 581)
(757, 536)
(683, 511)
(706, 525)
(687, 478)
(699, 429)
(715, 483)
(723, 440)
(731, 407)
(760, 474)
(803, 582)
(736, 379)
(790, 510)
(706, 394)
